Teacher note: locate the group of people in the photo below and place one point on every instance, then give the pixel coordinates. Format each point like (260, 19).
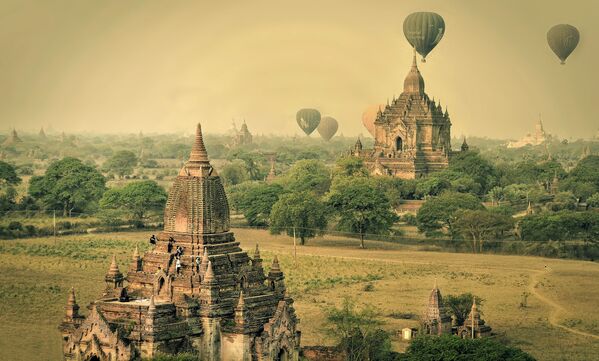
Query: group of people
(178, 253)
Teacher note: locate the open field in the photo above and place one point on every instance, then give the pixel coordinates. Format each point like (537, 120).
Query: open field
(560, 322)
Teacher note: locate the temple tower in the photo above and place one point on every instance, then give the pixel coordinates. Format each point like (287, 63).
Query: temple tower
(436, 320)
(224, 308)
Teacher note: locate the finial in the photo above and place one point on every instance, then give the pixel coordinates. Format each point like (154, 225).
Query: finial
(72, 300)
(209, 273)
(136, 253)
(198, 150)
(257, 252)
(114, 267)
(152, 306)
(275, 265)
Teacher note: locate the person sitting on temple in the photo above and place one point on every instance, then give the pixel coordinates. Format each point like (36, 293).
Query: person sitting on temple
(153, 239)
(178, 265)
(179, 251)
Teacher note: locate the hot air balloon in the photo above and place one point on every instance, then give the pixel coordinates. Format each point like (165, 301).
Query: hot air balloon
(563, 39)
(327, 128)
(308, 119)
(369, 116)
(424, 30)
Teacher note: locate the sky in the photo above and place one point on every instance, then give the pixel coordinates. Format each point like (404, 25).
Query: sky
(162, 66)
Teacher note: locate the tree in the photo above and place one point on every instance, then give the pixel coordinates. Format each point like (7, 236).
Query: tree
(440, 212)
(481, 224)
(461, 305)
(362, 206)
(68, 184)
(257, 202)
(358, 332)
(137, 198)
(479, 169)
(452, 348)
(121, 163)
(234, 173)
(8, 174)
(308, 175)
(593, 201)
(299, 214)
(350, 167)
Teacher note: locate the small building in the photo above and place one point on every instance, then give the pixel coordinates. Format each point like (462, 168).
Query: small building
(474, 326)
(408, 333)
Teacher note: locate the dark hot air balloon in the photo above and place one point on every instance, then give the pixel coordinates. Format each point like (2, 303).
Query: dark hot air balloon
(369, 116)
(327, 128)
(308, 119)
(563, 39)
(424, 30)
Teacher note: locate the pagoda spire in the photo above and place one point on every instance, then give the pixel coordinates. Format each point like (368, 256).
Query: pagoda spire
(198, 150)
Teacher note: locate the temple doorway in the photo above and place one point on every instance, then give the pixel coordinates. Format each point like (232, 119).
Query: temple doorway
(283, 355)
(93, 358)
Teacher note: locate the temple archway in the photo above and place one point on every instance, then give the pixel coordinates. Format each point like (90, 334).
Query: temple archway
(283, 355)
(398, 144)
(93, 358)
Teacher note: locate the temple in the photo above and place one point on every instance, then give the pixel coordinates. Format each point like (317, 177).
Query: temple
(196, 291)
(539, 137)
(436, 319)
(412, 134)
(474, 326)
(242, 136)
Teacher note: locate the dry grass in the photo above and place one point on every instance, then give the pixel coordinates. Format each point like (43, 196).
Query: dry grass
(35, 275)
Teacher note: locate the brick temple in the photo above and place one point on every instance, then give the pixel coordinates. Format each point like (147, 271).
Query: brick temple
(212, 299)
(412, 134)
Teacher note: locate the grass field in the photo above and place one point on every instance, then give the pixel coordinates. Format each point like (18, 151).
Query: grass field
(560, 322)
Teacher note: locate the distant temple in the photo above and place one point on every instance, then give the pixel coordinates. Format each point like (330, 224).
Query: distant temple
(195, 291)
(12, 138)
(539, 137)
(437, 321)
(412, 135)
(42, 134)
(272, 173)
(242, 136)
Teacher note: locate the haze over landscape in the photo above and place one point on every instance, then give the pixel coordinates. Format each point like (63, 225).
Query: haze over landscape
(112, 66)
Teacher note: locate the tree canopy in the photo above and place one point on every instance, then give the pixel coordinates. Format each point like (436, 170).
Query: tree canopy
(257, 202)
(308, 175)
(136, 198)
(362, 207)
(121, 163)
(478, 168)
(440, 212)
(452, 348)
(68, 184)
(8, 174)
(302, 213)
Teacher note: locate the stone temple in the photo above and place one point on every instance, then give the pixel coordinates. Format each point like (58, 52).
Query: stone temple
(218, 304)
(412, 135)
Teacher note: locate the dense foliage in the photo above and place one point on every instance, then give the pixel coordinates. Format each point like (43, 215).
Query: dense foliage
(68, 184)
(452, 348)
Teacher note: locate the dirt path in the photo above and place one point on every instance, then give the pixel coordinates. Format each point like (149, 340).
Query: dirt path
(557, 309)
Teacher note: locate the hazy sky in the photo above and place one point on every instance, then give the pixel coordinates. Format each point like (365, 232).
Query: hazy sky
(156, 66)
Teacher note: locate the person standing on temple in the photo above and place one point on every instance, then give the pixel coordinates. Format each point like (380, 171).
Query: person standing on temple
(178, 265)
